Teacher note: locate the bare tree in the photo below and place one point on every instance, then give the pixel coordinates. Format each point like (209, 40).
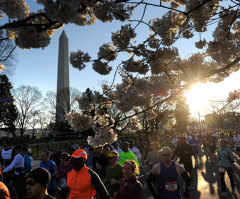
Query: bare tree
(50, 102)
(223, 114)
(27, 100)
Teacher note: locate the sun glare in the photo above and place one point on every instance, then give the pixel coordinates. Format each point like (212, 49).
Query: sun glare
(197, 97)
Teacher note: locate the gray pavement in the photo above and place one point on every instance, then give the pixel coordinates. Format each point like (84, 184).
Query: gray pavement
(206, 181)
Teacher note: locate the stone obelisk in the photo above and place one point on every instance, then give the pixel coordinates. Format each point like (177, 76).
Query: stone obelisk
(63, 99)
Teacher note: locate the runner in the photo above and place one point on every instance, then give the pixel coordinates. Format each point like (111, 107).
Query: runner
(152, 157)
(52, 168)
(17, 165)
(83, 182)
(226, 160)
(236, 141)
(185, 152)
(6, 158)
(166, 174)
(194, 142)
(114, 172)
(126, 154)
(130, 187)
(37, 183)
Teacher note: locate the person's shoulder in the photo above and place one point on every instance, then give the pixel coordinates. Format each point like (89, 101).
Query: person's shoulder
(52, 163)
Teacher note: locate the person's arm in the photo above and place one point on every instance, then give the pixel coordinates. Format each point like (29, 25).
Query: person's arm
(151, 178)
(181, 171)
(98, 185)
(11, 166)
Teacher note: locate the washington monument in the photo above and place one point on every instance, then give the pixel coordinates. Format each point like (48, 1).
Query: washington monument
(63, 99)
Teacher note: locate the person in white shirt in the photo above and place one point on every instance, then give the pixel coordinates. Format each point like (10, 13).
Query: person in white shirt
(18, 165)
(135, 151)
(236, 141)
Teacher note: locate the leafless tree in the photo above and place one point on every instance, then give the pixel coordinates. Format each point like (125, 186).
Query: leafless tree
(223, 114)
(51, 106)
(27, 101)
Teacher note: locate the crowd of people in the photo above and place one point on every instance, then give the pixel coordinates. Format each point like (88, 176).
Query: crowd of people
(112, 171)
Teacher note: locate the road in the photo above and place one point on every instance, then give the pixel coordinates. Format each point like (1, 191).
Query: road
(206, 181)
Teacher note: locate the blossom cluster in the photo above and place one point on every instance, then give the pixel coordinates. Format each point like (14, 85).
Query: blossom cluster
(122, 37)
(15, 8)
(85, 12)
(233, 95)
(167, 26)
(102, 136)
(161, 58)
(101, 67)
(30, 36)
(106, 51)
(202, 14)
(134, 124)
(80, 122)
(78, 59)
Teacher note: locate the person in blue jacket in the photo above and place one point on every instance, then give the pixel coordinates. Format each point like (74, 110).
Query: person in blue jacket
(52, 168)
(226, 160)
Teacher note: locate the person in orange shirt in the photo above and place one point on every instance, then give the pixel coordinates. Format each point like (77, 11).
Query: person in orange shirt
(4, 193)
(83, 182)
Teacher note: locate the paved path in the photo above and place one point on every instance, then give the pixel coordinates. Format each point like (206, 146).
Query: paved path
(206, 178)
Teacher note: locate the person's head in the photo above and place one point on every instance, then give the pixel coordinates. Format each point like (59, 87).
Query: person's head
(6, 145)
(65, 158)
(37, 183)
(112, 157)
(166, 154)
(125, 146)
(183, 140)
(24, 150)
(106, 149)
(151, 146)
(156, 146)
(223, 143)
(116, 145)
(130, 169)
(98, 150)
(18, 148)
(55, 147)
(168, 138)
(45, 156)
(222, 136)
(78, 159)
(91, 151)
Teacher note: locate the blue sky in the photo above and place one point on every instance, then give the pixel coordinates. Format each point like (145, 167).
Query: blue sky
(38, 67)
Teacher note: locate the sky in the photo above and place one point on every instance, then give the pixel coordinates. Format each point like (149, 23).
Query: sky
(38, 67)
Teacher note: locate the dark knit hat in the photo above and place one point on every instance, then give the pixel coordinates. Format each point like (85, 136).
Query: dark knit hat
(41, 175)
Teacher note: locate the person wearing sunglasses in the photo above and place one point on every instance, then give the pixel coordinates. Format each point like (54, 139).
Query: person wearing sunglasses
(83, 182)
(113, 173)
(37, 183)
(166, 174)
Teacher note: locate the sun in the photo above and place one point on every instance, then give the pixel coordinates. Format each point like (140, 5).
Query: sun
(197, 97)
